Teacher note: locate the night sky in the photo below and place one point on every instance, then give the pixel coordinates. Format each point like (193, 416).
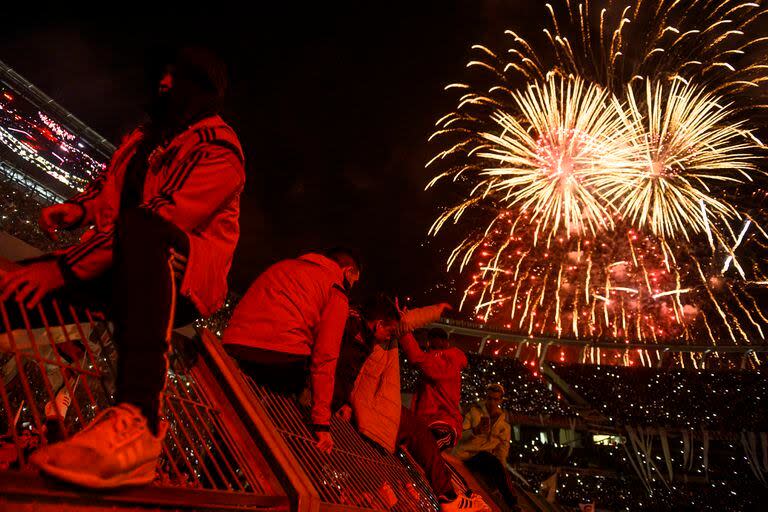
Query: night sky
(333, 105)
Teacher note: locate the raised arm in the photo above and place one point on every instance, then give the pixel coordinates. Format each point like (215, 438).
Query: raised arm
(433, 364)
(325, 354)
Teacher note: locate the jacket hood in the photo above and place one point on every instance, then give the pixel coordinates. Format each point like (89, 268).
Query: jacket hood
(325, 262)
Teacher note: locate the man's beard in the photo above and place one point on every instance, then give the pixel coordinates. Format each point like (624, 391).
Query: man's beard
(170, 110)
(160, 109)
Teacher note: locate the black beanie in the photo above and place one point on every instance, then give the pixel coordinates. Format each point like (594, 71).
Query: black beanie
(203, 67)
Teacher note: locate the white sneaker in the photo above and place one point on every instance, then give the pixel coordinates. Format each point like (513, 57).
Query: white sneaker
(474, 503)
(116, 449)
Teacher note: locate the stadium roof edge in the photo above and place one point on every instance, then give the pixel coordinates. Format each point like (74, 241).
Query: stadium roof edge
(472, 329)
(23, 87)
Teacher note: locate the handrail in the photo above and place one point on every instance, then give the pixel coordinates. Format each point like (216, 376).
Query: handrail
(355, 476)
(54, 379)
(286, 468)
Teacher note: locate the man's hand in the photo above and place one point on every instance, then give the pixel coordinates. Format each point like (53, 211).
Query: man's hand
(60, 216)
(324, 441)
(31, 282)
(400, 310)
(345, 413)
(484, 427)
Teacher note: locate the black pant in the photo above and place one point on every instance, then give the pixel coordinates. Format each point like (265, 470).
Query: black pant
(146, 305)
(494, 473)
(285, 374)
(415, 435)
(138, 294)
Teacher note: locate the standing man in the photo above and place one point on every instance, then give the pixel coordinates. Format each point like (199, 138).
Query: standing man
(439, 391)
(288, 326)
(484, 445)
(166, 215)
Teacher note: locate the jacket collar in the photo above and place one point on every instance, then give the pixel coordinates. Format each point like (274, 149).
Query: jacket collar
(328, 264)
(484, 410)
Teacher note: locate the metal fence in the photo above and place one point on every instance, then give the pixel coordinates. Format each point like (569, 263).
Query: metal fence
(230, 443)
(57, 364)
(355, 476)
(355, 473)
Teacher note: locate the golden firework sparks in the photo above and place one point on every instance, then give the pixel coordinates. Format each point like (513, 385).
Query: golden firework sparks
(689, 151)
(614, 191)
(546, 159)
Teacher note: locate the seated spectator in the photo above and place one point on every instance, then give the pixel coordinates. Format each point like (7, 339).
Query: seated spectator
(439, 391)
(288, 327)
(484, 445)
(368, 388)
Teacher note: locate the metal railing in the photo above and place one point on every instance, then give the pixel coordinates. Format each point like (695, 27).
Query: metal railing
(479, 330)
(58, 367)
(355, 473)
(354, 476)
(230, 443)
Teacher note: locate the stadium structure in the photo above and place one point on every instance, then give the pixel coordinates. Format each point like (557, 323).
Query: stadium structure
(594, 425)
(43, 147)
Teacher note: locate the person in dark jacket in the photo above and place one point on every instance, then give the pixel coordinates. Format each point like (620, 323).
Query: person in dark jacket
(165, 212)
(287, 329)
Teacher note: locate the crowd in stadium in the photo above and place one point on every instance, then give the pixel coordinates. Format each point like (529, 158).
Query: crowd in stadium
(628, 494)
(532, 396)
(21, 209)
(720, 400)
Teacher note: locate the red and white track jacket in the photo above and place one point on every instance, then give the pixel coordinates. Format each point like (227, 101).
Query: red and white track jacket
(195, 182)
(439, 390)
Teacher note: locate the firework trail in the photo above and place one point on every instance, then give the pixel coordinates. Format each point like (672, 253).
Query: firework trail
(610, 189)
(717, 44)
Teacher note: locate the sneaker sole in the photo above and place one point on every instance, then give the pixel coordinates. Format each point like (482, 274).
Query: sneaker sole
(142, 475)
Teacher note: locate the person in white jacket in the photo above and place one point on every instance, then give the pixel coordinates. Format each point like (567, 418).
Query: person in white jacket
(484, 444)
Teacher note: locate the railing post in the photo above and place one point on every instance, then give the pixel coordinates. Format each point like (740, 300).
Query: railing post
(543, 356)
(482, 345)
(519, 350)
(284, 465)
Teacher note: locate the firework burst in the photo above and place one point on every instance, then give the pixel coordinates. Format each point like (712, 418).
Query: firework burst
(608, 185)
(689, 153)
(548, 160)
(714, 43)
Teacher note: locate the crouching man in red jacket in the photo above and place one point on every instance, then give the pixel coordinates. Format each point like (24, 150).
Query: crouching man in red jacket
(166, 215)
(288, 326)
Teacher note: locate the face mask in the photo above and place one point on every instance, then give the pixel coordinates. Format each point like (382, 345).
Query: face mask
(160, 107)
(348, 284)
